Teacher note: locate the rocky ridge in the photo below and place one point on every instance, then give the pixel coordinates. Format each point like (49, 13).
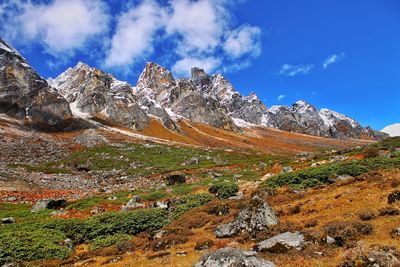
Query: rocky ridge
(209, 99)
(24, 94)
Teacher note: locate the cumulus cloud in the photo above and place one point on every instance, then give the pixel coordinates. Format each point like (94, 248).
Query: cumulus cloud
(332, 59)
(134, 35)
(202, 33)
(280, 97)
(183, 66)
(293, 70)
(242, 41)
(199, 25)
(62, 27)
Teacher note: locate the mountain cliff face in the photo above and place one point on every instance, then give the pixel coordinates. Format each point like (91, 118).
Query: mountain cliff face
(97, 94)
(24, 94)
(180, 98)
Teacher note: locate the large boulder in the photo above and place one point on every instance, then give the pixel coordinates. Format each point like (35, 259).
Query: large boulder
(282, 243)
(232, 257)
(256, 217)
(24, 94)
(49, 204)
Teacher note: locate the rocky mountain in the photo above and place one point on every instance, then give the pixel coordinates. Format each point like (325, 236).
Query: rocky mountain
(24, 94)
(96, 94)
(180, 98)
(392, 130)
(204, 98)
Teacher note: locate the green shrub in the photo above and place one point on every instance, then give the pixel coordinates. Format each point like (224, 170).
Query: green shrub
(30, 245)
(110, 223)
(109, 240)
(189, 202)
(224, 189)
(311, 177)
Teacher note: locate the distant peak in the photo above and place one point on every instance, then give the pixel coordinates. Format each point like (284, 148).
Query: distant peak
(82, 65)
(198, 73)
(301, 103)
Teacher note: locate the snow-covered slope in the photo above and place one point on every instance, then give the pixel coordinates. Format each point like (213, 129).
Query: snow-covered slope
(392, 130)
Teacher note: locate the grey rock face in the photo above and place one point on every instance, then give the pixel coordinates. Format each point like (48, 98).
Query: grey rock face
(23, 93)
(232, 257)
(216, 87)
(8, 220)
(99, 95)
(256, 217)
(160, 89)
(48, 204)
(282, 243)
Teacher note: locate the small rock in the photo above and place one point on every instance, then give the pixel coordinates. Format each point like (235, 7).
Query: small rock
(181, 253)
(8, 220)
(176, 179)
(229, 257)
(159, 255)
(394, 197)
(287, 169)
(202, 245)
(191, 161)
(395, 233)
(219, 210)
(330, 240)
(282, 243)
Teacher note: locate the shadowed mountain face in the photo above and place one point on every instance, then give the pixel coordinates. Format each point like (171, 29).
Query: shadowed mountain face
(24, 94)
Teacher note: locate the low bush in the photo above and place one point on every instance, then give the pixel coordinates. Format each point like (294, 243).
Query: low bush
(224, 189)
(189, 202)
(32, 244)
(109, 240)
(312, 177)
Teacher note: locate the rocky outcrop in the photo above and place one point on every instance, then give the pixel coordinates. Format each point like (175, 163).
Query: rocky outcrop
(48, 204)
(256, 217)
(282, 243)
(231, 257)
(24, 94)
(97, 94)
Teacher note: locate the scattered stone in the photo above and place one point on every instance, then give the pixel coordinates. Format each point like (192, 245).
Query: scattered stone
(11, 199)
(231, 257)
(159, 255)
(175, 179)
(49, 204)
(112, 198)
(389, 211)
(282, 243)
(287, 169)
(181, 253)
(373, 256)
(191, 161)
(160, 205)
(395, 233)
(256, 217)
(342, 177)
(58, 213)
(219, 210)
(330, 240)
(97, 210)
(8, 220)
(203, 245)
(394, 197)
(131, 206)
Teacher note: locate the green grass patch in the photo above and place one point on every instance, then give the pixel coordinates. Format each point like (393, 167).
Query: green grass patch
(109, 240)
(224, 189)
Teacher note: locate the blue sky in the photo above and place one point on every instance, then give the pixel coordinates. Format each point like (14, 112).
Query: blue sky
(339, 54)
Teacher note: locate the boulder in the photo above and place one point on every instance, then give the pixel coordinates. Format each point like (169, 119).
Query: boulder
(232, 257)
(256, 217)
(282, 243)
(49, 204)
(175, 179)
(8, 220)
(394, 197)
(133, 203)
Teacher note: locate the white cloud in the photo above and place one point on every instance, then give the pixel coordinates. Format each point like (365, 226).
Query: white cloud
(183, 66)
(293, 70)
(280, 97)
(134, 35)
(244, 40)
(199, 24)
(332, 59)
(61, 26)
